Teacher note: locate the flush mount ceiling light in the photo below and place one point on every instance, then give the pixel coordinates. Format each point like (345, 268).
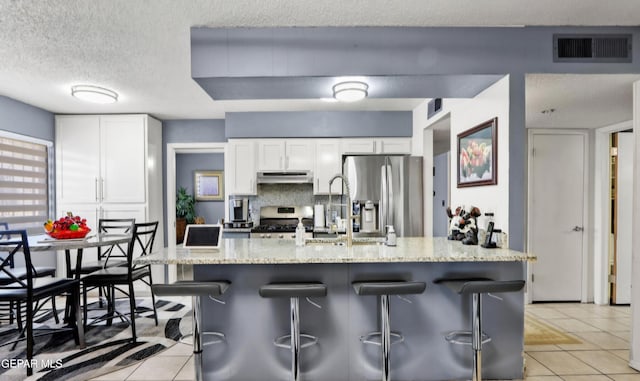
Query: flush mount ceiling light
(350, 91)
(94, 94)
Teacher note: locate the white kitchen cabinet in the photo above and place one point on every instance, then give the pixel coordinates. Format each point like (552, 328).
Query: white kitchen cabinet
(77, 159)
(393, 145)
(241, 178)
(328, 163)
(122, 158)
(271, 155)
(108, 166)
(358, 146)
(376, 146)
(285, 154)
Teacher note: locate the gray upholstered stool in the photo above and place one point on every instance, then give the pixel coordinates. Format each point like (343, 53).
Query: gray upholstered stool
(195, 289)
(383, 289)
(477, 287)
(294, 291)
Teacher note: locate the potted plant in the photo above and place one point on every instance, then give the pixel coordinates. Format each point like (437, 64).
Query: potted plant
(185, 212)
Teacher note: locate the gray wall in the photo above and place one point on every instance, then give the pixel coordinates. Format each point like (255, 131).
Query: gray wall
(187, 131)
(186, 165)
(318, 124)
(25, 119)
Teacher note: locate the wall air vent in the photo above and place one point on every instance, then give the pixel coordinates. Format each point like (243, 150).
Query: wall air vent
(592, 48)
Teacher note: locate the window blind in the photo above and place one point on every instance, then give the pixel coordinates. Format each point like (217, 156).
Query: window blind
(24, 199)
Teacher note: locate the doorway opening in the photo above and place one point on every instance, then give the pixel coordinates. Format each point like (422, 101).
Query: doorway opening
(441, 175)
(174, 162)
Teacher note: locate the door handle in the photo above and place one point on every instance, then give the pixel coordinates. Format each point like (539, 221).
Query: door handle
(578, 228)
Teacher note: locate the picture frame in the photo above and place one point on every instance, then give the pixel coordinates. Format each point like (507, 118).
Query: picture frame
(478, 155)
(208, 185)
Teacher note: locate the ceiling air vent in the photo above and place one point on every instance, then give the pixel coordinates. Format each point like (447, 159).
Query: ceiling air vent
(592, 48)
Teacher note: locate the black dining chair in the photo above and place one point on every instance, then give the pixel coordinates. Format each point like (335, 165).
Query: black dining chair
(142, 238)
(31, 290)
(111, 256)
(13, 310)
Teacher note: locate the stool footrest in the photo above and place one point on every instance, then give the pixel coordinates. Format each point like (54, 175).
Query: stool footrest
(219, 338)
(285, 341)
(367, 339)
(464, 337)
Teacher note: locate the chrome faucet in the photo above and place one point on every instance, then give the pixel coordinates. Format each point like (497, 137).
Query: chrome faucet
(350, 217)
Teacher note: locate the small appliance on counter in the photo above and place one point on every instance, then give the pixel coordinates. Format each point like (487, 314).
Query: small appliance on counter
(238, 209)
(280, 222)
(238, 213)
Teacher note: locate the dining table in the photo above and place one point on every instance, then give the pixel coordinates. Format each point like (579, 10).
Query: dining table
(43, 242)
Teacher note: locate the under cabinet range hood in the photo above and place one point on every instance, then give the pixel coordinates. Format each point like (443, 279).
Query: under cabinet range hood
(284, 177)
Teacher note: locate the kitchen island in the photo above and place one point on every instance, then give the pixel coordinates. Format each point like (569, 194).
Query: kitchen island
(251, 323)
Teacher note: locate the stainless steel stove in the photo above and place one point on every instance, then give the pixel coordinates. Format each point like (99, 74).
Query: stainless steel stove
(280, 222)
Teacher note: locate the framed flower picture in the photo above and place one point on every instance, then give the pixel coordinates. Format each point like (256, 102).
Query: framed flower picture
(478, 155)
(209, 185)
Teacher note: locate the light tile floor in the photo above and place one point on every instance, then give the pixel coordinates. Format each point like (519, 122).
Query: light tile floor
(602, 356)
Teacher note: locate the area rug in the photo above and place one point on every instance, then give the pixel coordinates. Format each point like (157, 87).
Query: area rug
(539, 333)
(108, 348)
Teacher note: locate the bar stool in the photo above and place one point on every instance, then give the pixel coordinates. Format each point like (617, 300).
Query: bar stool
(383, 289)
(475, 337)
(194, 289)
(294, 291)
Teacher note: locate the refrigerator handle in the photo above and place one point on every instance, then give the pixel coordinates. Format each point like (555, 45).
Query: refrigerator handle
(383, 209)
(390, 206)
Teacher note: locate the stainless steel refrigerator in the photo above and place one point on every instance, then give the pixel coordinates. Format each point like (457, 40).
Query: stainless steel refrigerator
(386, 190)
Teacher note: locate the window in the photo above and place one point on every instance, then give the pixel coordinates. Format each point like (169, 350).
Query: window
(24, 182)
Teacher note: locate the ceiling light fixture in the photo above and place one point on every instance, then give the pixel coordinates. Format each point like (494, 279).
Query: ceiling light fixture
(94, 94)
(350, 91)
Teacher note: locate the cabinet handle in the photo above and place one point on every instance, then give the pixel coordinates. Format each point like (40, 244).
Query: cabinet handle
(281, 163)
(318, 184)
(96, 189)
(286, 163)
(102, 189)
(374, 147)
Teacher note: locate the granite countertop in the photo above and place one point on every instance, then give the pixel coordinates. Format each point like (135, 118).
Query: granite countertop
(275, 251)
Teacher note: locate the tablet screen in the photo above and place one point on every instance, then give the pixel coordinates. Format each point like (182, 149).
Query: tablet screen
(203, 236)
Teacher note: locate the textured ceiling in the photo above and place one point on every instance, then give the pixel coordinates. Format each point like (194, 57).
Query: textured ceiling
(141, 48)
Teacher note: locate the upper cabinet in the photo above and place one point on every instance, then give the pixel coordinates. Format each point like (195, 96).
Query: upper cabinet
(241, 180)
(375, 146)
(358, 146)
(285, 154)
(328, 163)
(101, 159)
(393, 146)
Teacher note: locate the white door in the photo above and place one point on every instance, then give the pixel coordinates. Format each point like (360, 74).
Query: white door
(557, 216)
(243, 166)
(357, 146)
(123, 160)
(328, 163)
(271, 155)
(624, 187)
(77, 159)
(393, 145)
(299, 155)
